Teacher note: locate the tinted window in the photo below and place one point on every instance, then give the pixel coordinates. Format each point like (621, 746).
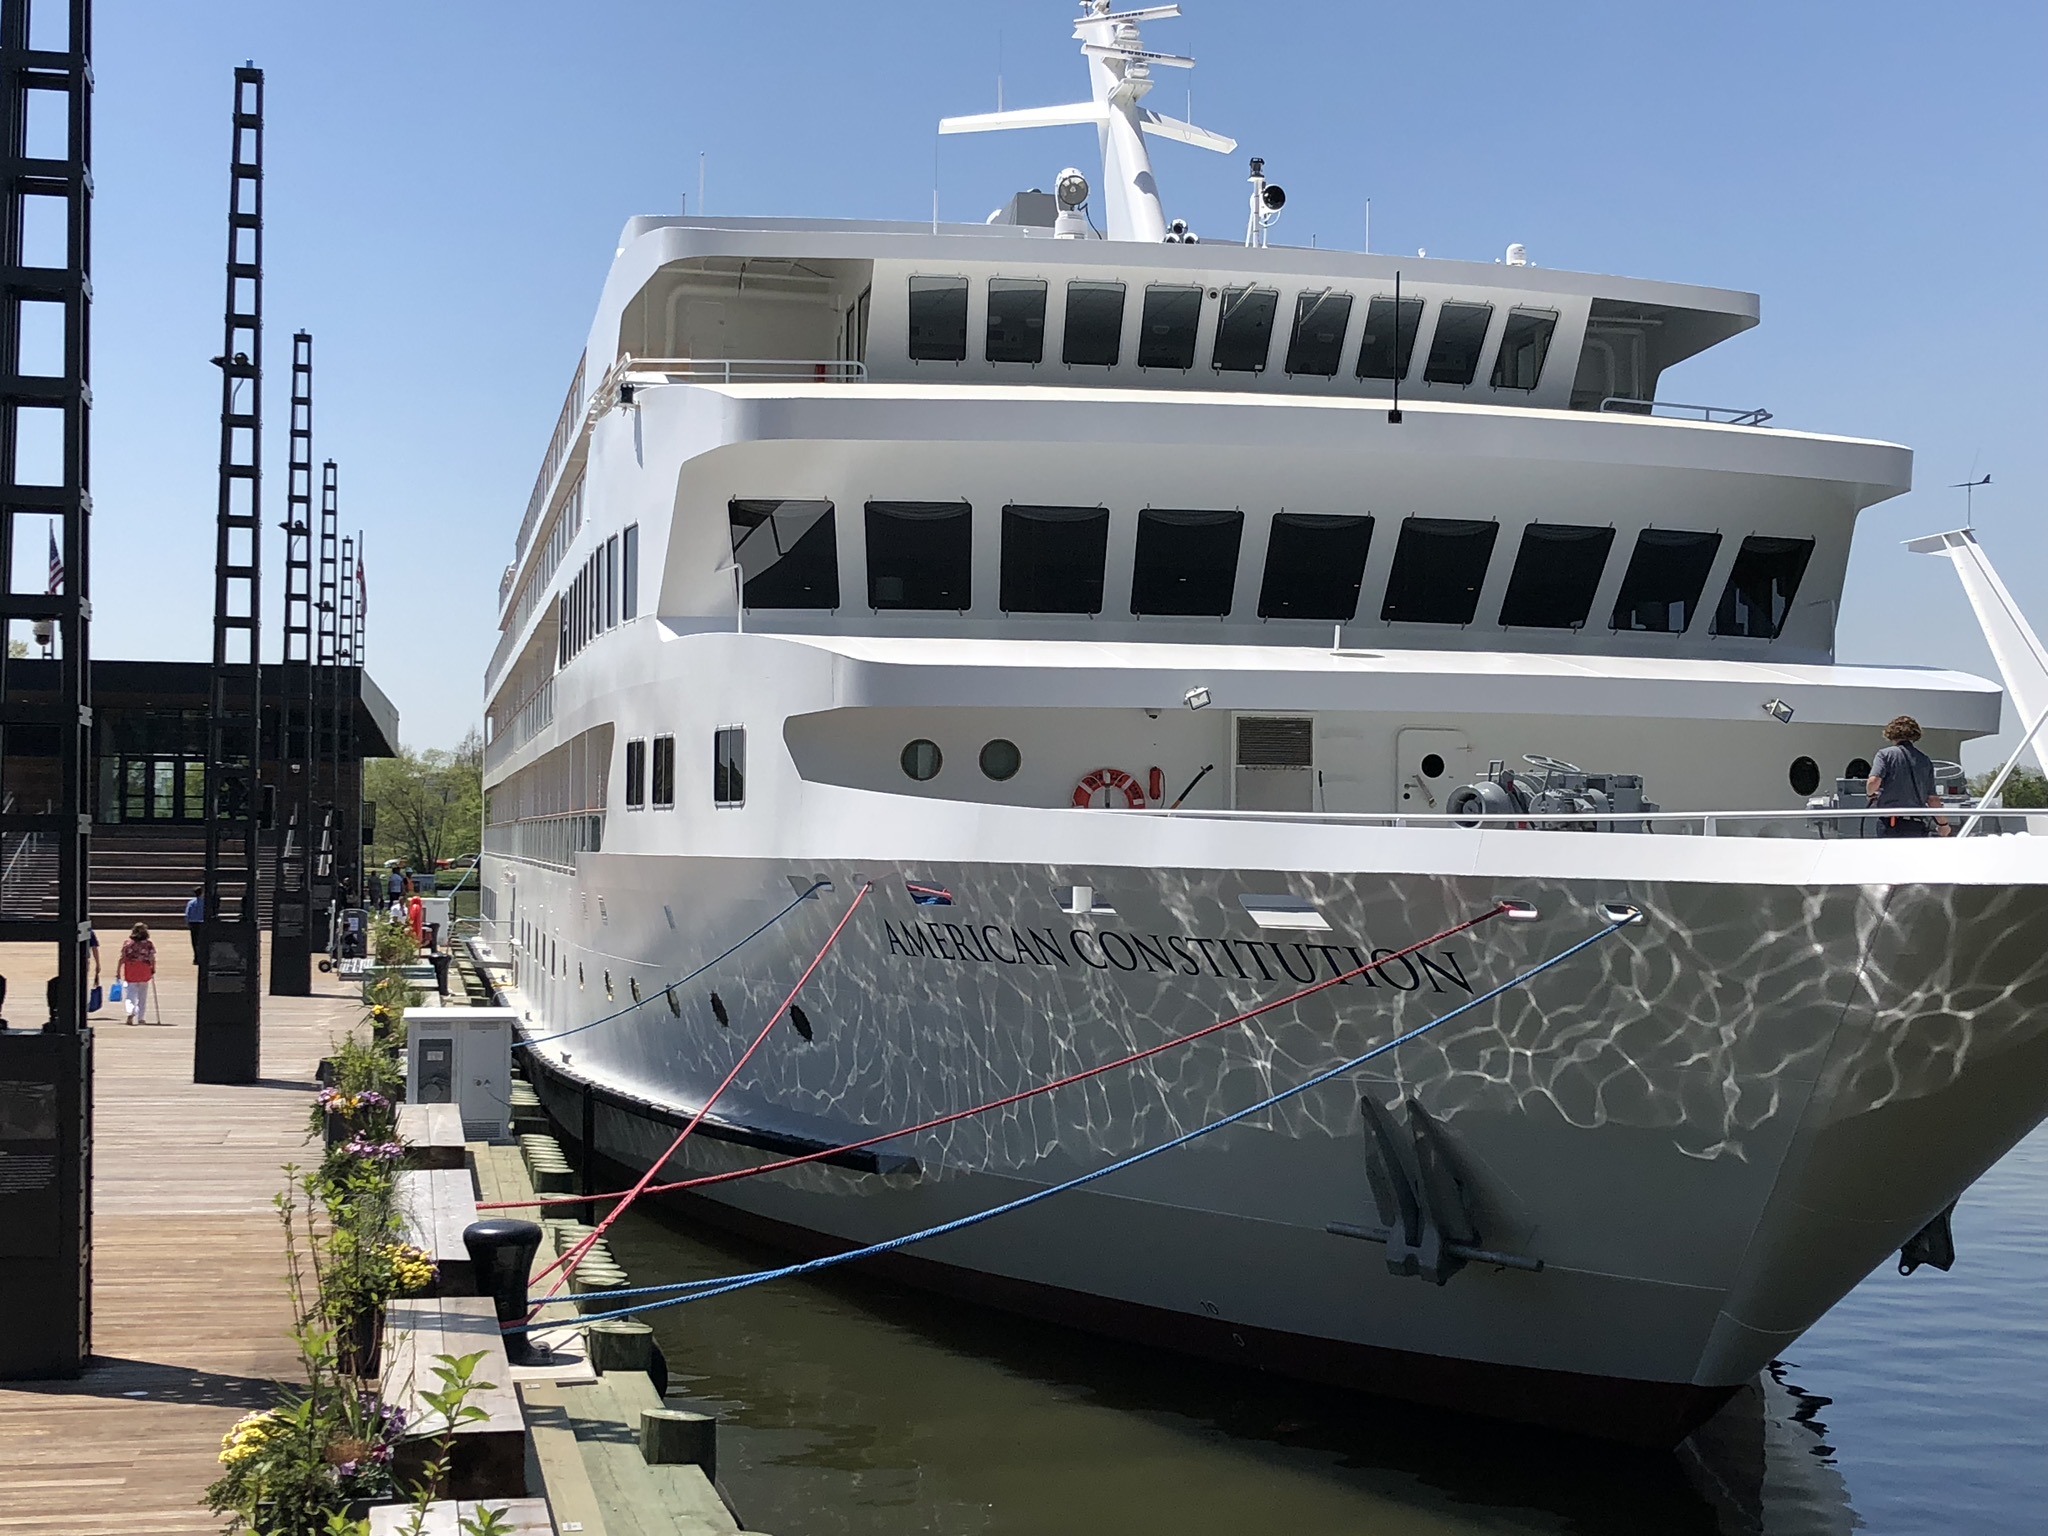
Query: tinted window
(1313, 566)
(1438, 568)
(1016, 320)
(938, 319)
(1186, 562)
(1166, 333)
(1244, 329)
(1761, 587)
(787, 551)
(728, 765)
(664, 770)
(1389, 343)
(1454, 350)
(1524, 343)
(1665, 574)
(1318, 341)
(629, 573)
(1052, 559)
(636, 773)
(918, 554)
(1556, 570)
(1095, 324)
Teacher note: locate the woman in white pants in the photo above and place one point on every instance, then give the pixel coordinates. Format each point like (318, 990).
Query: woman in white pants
(138, 970)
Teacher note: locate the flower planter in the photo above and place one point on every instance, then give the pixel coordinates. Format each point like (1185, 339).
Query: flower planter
(358, 1344)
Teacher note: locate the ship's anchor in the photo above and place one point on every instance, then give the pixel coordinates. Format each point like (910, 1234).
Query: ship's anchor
(1422, 1198)
(1933, 1245)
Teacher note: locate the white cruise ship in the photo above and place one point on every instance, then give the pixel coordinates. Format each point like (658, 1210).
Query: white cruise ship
(1126, 615)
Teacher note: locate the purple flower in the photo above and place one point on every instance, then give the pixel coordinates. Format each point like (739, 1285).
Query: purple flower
(347, 1470)
(381, 1455)
(370, 1098)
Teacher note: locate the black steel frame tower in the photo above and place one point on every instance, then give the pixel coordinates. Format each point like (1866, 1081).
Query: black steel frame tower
(291, 895)
(227, 1044)
(349, 791)
(327, 764)
(46, 706)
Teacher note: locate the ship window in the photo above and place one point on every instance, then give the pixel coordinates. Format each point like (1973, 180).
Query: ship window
(1053, 558)
(1313, 566)
(853, 342)
(636, 775)
(922, 759)
(1244, 330)
(919, 554)
(1804, 776)
(629, 573)
(1016, 320)
(1556, 571)
(1389, 343)
(1524, 343)
(1454, 350)
(1000, 759)
(1438, 568)
(1095, 324)
(664, 772)
(938, 319)
(1166, 332)
(787, 552)
(1761, 587)
(611, 582)
(728, 765)
(1665, 575)
(1318, 341)
(1186, 562)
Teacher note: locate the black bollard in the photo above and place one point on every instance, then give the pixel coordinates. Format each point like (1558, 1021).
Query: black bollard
(501, 1252)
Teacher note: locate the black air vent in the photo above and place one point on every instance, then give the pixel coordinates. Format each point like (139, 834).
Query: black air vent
(1274, 743)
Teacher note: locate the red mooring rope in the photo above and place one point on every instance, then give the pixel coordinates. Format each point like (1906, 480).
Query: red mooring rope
(643, 1188)
(568, 1261)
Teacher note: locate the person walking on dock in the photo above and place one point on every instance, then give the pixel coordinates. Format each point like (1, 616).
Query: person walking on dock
(195, 914)
(1903, 776)
(138, 970)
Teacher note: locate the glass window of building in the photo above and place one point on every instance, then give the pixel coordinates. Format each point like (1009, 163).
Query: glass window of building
(1053, 559)
(629, 572)
(1761, 587)
(636, 775)
(1095, 325)
(729, 765)
(664, 772)
(1244, 330)
(1166, 329)
(1524, 343)
(1318, 341)
(1665, 574)
(1016, 320)
(1313, 566)
(787, 552)
(1454, 349)
(920, 554)
(1439, 566)
(938, 319)
(1186, 562)
(1389, 342)
(1556, 571)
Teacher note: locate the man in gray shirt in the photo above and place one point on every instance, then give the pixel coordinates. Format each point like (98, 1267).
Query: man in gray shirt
(1903, 776)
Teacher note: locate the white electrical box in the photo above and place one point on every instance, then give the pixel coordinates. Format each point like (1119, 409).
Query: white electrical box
(463, 1056)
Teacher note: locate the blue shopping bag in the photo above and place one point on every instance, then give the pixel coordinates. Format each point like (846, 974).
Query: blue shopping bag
(114, 993)
(92, 1001)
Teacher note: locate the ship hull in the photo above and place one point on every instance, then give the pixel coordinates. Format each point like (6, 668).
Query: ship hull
(1705, 1129)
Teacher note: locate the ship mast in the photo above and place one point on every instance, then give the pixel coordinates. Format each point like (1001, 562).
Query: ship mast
(1120, 74)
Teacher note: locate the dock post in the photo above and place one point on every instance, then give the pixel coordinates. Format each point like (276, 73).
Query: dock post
(672, 1437)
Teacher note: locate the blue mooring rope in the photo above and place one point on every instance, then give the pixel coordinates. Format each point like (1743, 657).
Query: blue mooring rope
(725, 1285)
(619, 1013)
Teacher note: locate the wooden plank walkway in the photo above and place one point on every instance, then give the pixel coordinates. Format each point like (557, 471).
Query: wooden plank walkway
(190, 1318)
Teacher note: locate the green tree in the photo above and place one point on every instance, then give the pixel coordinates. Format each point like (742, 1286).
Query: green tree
(429, 803)
(2025, 790)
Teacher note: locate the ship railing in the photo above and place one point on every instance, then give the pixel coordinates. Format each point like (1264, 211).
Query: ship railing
(567, 425)
(1970, 820)
(637, 372)
(1727, 415)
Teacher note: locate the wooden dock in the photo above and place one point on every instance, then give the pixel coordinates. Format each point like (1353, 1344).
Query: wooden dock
(190, 1322)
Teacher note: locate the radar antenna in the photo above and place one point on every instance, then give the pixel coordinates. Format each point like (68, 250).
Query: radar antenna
(1120, 72)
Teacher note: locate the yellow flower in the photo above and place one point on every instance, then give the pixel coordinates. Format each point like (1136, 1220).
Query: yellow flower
(247, 1438)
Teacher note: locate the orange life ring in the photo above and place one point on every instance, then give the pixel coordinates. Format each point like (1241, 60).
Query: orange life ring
(1113, 780)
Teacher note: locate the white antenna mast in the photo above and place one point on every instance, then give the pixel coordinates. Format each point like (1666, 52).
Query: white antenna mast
(1120, 72)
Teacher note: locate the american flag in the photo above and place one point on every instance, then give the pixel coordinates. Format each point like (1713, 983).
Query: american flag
(56, 564)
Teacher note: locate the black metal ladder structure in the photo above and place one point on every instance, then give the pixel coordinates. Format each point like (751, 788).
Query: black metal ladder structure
(291, 905)
(227, 1044)
(348, 871)
(46, 704)
(327, 765)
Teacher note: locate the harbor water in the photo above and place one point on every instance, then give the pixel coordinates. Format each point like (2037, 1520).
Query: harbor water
(852, 1408)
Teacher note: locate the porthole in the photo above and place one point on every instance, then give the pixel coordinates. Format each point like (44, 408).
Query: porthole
(1000, 759)
(1432, 766)
(922, 759)
(1805, 776)
(1858, 768)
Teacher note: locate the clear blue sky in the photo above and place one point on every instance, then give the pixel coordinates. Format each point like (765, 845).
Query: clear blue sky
(447, 182)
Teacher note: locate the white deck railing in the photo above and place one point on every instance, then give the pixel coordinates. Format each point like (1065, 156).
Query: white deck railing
(1979, 821)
